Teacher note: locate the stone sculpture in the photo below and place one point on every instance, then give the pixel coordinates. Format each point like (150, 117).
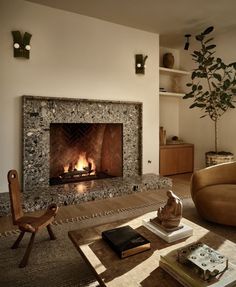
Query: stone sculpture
(170, 215)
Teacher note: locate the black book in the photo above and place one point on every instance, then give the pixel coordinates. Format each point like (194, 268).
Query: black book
(126, 241)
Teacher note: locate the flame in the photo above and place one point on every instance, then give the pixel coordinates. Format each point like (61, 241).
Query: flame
(82, 163)
(66, 167)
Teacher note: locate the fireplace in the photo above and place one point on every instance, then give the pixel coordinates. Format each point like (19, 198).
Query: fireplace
(122, 120)
(85, 151)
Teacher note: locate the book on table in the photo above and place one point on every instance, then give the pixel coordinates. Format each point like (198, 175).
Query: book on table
(188, 277)
(126, 241)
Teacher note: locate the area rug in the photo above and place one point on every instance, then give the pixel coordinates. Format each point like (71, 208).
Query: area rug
(56, 263)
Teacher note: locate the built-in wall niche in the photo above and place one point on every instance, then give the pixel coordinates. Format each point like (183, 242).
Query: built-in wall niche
(85, 151)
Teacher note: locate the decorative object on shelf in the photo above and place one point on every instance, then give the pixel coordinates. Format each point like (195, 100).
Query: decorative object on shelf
(21, 44)
(175, 140)
(162, 135)
(168, 60)
(162, 89)
(140, 60)
(186, 46)
(213, 83)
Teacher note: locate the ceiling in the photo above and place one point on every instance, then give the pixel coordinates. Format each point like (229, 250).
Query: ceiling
(172, 19)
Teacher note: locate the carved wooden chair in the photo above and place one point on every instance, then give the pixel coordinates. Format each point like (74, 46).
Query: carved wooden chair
(27, 223)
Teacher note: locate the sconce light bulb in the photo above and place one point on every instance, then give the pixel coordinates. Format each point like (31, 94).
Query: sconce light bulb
(27, 47)
(16, 46)
(139, 65)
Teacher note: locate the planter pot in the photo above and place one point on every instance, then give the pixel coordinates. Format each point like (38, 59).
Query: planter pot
(213, 158)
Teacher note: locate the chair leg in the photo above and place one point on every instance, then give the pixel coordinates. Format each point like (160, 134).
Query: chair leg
(25, 259)
(18, 240)
(50, 232)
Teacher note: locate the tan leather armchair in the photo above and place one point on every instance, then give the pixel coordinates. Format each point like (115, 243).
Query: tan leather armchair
(213, 191)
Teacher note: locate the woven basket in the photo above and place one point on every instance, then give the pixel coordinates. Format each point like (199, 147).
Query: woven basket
(213, 159)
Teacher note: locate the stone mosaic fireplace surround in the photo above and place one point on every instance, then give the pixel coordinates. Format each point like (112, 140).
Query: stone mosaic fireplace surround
(39, 112)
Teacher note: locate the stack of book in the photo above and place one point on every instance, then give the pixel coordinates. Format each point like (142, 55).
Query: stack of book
(188, 277)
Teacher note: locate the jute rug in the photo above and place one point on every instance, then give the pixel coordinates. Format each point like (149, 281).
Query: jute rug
(57, 263)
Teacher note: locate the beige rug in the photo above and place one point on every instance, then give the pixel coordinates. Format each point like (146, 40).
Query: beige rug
(57, 263)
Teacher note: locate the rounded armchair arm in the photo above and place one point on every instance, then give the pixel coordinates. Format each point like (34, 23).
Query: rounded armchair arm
(218, 174)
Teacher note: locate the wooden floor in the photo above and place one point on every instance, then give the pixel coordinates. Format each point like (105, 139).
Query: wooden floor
(181, 185)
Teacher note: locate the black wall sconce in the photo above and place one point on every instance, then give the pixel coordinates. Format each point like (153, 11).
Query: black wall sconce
(140, 60)
(21, 44)
(186, 46)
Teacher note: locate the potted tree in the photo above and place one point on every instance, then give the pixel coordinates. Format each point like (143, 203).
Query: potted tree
(212, 89)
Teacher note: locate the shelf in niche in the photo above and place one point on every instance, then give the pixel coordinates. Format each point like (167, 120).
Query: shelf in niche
(171, 94)
(174, 71)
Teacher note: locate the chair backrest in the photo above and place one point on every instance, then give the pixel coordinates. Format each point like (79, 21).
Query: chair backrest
(15, 197)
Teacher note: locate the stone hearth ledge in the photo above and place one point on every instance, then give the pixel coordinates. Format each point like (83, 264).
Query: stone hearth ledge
(75, 193)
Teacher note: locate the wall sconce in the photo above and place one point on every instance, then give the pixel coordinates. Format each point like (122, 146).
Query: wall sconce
(140, 63)
(186, 46)
(21, 45)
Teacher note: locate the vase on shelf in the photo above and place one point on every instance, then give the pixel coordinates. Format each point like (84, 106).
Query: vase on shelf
(168, 60)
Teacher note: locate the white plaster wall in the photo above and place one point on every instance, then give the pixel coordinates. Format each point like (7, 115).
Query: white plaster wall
(198, 131)
(73, 56)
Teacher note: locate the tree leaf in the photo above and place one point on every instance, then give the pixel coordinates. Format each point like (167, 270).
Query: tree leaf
(226, 84)
(188, 96)
(199, 87)
(193, 75)
(217, 76)
(210, 47)
(213, 67)
(208, 30)
(207, 41)
(200, 105)
(189, 84)
(199, 37)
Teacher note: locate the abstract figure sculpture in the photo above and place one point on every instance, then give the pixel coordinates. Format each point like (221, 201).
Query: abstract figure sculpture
(170, 215)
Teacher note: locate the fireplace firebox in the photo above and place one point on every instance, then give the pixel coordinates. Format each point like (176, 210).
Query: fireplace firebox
(85, 151)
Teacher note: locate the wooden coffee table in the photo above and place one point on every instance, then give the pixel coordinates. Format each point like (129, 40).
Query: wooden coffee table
(141, 269)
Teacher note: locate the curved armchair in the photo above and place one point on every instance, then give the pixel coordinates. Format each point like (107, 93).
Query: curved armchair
(213, 191)
(27, 223)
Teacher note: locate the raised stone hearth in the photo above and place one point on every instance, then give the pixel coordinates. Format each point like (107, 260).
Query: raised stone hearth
(75, 193)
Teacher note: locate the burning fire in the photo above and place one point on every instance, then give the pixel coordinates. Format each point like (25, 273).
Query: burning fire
(83, 164)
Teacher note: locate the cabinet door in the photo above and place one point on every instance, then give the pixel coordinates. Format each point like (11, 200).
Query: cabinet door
(185, 160)
(169, 159)
(174, 160)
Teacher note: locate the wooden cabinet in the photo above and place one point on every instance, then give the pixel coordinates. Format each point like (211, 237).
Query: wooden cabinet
(176, 158)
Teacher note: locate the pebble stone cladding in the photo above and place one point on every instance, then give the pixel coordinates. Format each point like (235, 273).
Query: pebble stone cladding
(39, 112)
